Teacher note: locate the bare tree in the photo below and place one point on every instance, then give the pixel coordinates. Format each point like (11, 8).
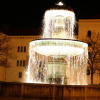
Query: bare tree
(5, 50)
(94, 54)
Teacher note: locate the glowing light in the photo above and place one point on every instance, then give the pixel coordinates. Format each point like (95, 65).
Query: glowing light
(59, 13)
(60, 4)
(58, 47)
(56, 50)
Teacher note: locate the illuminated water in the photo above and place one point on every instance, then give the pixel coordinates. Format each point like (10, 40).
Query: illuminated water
(57, 58)
(58, 24)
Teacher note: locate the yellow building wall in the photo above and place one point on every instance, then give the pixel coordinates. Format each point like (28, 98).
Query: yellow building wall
(2, 73)
(84, 25)
(12, 72)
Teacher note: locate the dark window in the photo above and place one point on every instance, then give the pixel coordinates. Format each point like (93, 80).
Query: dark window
(18, 49)
(89, 44)
(89, 54)
(21, 49)
(89, 33)
(24, 48)
(20, 62)
(17, 62)
(88, 72)
(20, 75)
(23, 62)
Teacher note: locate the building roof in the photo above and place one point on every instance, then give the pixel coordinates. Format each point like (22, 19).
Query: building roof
(24, 32)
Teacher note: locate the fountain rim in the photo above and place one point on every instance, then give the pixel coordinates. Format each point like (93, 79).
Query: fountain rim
(59, 39)
(40, 45)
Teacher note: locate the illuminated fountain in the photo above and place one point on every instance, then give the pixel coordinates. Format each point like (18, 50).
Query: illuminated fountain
(57, 58)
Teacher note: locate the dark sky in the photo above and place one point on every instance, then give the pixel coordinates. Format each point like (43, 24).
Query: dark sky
(29, 13)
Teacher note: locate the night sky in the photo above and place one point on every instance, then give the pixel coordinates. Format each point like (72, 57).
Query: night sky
(29, 13)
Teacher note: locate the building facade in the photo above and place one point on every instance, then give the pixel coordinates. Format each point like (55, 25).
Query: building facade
(19, 63)
(90, 28)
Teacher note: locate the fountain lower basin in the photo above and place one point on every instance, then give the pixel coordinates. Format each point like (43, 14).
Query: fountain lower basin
(51, 47)
(57, 61)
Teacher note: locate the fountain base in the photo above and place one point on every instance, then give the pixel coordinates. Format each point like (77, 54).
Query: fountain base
(49, 91)
(58, 61)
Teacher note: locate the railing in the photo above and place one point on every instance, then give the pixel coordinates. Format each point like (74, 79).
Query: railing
(51, 91)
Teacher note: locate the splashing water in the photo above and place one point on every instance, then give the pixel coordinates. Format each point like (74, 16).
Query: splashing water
(56, 59)
(58, 24)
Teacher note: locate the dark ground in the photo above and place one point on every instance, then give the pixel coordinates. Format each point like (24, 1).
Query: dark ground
(9, 98)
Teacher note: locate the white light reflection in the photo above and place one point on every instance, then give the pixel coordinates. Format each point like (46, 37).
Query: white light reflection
(60, 4)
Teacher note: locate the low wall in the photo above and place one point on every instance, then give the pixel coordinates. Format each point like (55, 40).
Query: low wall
(50, 91)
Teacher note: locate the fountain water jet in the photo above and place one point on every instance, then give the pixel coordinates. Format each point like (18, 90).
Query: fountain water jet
(57, 58)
